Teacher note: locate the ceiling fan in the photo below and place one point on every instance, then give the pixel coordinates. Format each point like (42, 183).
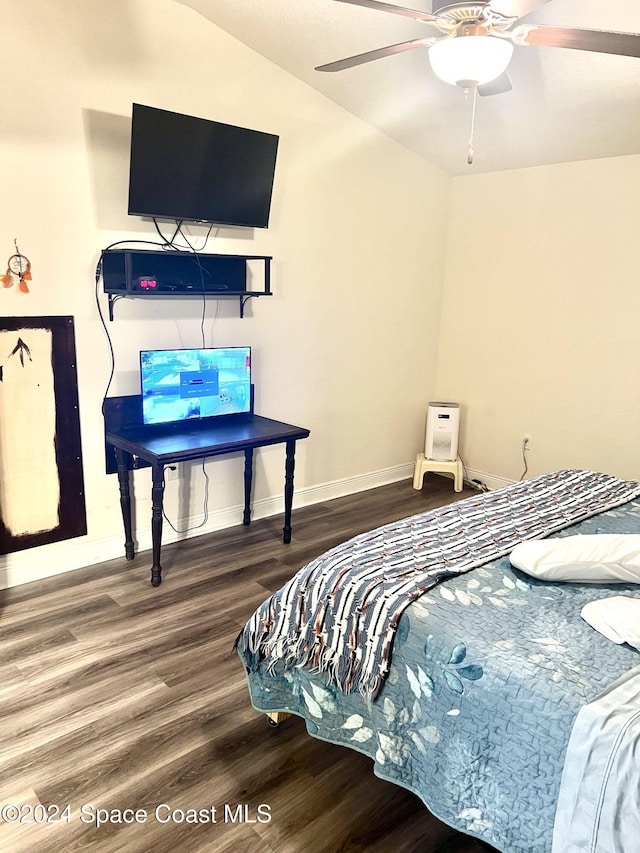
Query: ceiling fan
(474, 41)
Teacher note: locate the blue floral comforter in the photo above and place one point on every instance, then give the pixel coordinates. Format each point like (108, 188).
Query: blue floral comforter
(489, 671)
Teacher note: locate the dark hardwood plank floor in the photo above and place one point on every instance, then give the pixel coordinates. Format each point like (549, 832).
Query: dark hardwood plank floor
(118, 696)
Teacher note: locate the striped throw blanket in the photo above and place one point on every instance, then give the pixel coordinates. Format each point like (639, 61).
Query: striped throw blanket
(338, 615)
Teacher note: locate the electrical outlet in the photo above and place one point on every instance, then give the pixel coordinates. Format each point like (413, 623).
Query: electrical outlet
(173, 472)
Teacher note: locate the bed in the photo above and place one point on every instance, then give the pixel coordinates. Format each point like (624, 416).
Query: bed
(489, 672)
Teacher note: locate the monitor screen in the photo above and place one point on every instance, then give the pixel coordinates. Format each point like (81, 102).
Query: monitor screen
(190, 384)
(183, 167)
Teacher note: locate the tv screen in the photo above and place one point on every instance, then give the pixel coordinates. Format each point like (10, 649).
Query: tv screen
(190, 384)
(183, 167)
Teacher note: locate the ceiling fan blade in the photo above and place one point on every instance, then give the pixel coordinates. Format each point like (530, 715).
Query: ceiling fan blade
(496, 87)
(600, 41)
(395, 10)
(370, 55)
(515, 8)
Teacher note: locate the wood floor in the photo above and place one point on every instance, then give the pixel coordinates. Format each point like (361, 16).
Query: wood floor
(117, 696)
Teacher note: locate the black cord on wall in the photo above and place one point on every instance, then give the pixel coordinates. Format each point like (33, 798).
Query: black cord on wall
(170, 245)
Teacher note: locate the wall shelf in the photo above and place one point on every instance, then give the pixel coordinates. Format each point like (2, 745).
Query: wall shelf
(129, 273)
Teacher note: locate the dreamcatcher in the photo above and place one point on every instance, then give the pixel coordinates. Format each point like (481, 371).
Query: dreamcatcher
(18, 266)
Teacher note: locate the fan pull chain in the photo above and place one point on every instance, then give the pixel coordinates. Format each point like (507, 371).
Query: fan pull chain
(473, 127)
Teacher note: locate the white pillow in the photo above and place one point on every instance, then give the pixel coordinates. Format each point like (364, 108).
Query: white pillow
(601, 558)
(617, 618)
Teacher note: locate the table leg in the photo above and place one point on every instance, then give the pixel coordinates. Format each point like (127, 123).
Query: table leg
(125, 501)
(289, 467)
(157, 494)
(248, 479)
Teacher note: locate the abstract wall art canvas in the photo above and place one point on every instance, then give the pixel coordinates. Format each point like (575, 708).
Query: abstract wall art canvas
(41, 478)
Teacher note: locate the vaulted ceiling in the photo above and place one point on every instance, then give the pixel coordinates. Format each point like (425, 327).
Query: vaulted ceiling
(564, 105)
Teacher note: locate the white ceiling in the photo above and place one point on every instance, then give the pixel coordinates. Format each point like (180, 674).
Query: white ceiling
(565, 104)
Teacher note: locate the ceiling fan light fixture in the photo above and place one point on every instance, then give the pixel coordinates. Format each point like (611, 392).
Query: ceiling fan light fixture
(465, 60)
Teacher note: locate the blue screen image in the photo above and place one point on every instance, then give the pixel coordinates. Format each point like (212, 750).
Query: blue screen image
(186, 384)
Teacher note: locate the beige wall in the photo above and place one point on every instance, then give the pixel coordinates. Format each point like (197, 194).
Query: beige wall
(538, 326)
(539, 329)
(346, 346)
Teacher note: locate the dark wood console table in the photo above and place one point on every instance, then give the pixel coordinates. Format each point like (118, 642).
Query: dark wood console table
(137, 446)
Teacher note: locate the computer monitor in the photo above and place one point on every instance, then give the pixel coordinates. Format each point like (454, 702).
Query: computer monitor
(181, 385)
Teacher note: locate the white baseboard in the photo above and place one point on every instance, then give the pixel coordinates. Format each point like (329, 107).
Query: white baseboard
(48, 560)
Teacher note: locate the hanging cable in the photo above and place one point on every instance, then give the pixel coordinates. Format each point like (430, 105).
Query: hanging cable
(168, 243)
(203, 290)
(473, 125)
(205, 508)
(103, 323)
(525, 447)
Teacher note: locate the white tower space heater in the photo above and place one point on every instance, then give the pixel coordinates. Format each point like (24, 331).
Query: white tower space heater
(443, 426)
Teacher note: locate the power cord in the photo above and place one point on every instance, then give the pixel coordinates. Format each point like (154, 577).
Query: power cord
(107, 335)
(201, 271)
(478, 485)
(170, 245)
(525, 447)
(171, 242)
(105, 328)
(205, 507)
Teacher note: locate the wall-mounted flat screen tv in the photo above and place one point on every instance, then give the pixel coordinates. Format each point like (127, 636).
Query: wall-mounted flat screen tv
(195, 169)
(192, 384)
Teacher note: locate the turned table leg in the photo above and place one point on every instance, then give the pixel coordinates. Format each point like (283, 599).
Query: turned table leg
(248, 479)
(125, 501)
(157, 494)
(289, 467)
